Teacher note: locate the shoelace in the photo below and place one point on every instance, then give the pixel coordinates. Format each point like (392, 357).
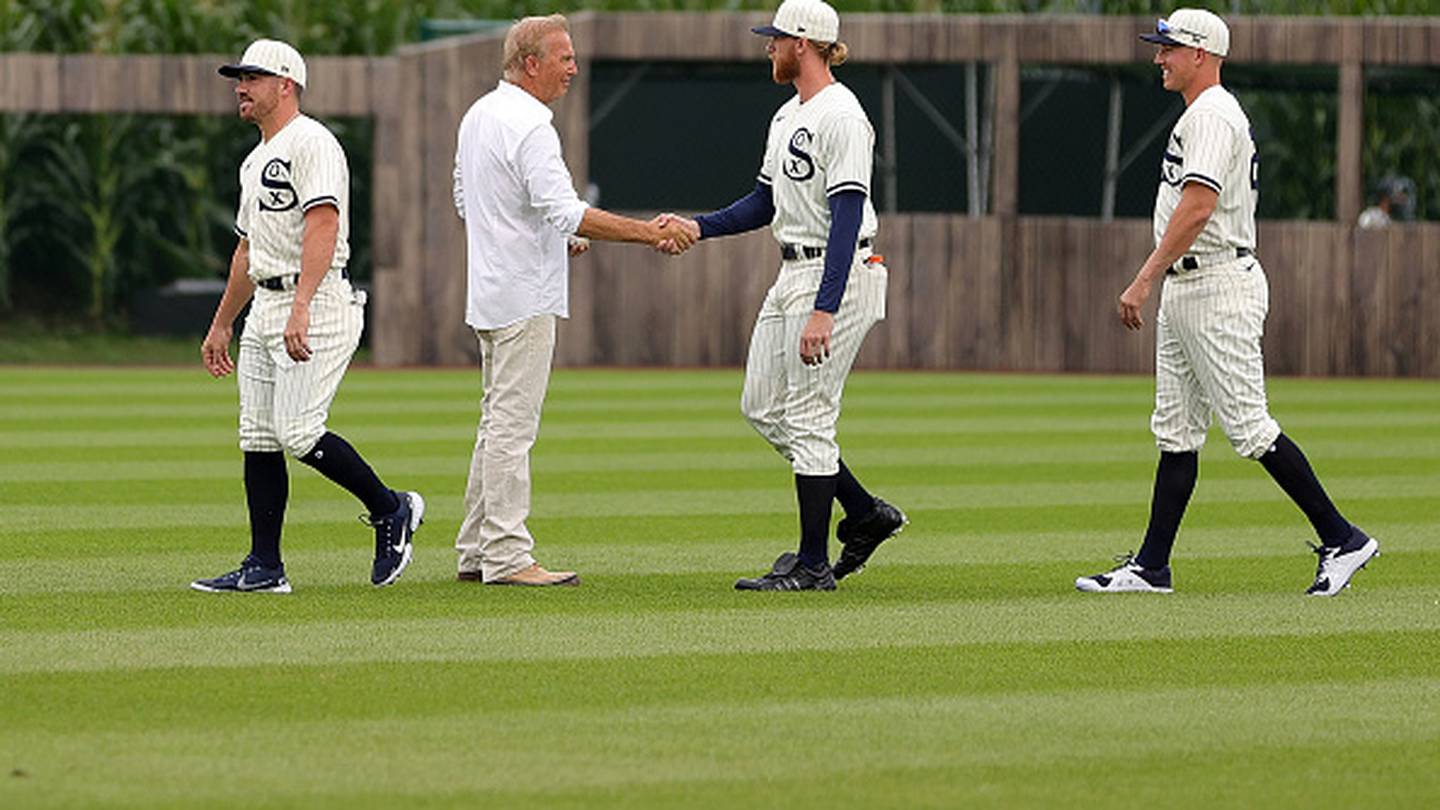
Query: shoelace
(1325, 555)
(385, 531)
(1124, 560)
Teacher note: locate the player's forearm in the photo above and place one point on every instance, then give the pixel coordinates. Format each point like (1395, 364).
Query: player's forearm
(1180, 234)
(238, 289)
(317, 250)
(601, 224)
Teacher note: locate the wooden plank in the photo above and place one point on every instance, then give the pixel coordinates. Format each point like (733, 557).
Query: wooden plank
(930, 320)
(1005, 167)
(1428, 271)
(1413, 43)
(79, 79)
(401, 321)
(1404, 308)
(1243, 34)
(1312, 40)
(386, 205)
(1350, 143)
(1366, 301)
(1382, 40)
(964, 37)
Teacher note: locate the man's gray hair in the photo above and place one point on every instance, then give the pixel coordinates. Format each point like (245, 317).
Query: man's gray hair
(525, 38)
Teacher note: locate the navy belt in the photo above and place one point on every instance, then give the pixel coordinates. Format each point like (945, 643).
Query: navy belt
(792, 252)
(278, 283)
(1192, 263)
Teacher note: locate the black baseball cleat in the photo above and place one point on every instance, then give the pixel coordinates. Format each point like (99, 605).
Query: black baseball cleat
(861, 536)
(250, 577)
(789, 575)
(1339, 563)
(393, 548)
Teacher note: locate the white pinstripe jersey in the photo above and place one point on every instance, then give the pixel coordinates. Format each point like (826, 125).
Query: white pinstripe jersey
(1211, 144)
(814, 150)
(301, 167)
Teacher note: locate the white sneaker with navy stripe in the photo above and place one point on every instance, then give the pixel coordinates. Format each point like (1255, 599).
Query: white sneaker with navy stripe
(1127, 577)
(1339, 563)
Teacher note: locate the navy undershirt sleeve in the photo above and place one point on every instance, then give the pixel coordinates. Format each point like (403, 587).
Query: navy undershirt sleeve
(754, 210)
(847, 208)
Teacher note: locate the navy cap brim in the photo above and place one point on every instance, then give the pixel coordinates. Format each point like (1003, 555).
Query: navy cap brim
(235, 71)
(770, 31)
(1161, 39)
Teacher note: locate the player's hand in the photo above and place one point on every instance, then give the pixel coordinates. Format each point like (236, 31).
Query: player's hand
(215, 351)
(1132, 300)
(297, 341)
(815, 338)
(678, 234)
(578, 245)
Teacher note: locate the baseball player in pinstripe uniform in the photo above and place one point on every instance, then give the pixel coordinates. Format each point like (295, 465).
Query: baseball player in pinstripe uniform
(304, 323)
(1213, 304)
(813, 191)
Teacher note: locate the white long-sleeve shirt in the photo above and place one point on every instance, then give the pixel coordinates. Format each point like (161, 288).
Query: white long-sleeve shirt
(519, 205)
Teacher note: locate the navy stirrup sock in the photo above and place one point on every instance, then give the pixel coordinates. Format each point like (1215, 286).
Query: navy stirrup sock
(1174, 482)
(816, 494)
(335, 459)
(267, 487)
(1291, 470)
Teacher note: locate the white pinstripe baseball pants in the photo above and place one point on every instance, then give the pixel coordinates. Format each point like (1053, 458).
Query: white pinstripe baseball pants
(1208, 359)
(795, 406)
(284, 404)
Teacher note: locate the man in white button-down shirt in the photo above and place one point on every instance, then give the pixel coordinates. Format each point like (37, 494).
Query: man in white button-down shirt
(522, 217)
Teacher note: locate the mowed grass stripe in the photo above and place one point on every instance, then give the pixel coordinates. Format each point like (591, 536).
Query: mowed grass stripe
(160, 599)
(66, 700)
(721, 629)
(541, 752)
(319, 558)
(693, 501)
(1397, 451)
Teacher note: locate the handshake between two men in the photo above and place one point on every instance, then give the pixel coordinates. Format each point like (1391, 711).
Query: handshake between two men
(666, 233)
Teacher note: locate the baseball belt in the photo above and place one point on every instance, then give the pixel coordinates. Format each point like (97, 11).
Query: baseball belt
(288, 282)
(1197, 262)
(792, 252)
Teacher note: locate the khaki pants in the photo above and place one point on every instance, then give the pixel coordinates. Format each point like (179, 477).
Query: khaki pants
(515, 372)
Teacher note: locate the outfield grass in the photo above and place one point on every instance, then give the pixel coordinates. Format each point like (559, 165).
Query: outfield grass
(961, 669)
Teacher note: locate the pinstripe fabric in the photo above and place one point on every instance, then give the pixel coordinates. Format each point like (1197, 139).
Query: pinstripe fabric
(1211, 145)
(795, 406)
(1208, 359)
(814, 150)
(284, 404)
(301, 167)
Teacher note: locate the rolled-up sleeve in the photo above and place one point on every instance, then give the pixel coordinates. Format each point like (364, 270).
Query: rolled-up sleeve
(459, 188)
(548, 182)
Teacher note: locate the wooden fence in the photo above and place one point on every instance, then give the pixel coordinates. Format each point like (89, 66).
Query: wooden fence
(1036, 294)
(999, 292)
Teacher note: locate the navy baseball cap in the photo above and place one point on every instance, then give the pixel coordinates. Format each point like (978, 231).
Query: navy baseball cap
(1192, 28)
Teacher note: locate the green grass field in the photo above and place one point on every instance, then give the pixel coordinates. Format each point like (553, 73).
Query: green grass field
(960, 670)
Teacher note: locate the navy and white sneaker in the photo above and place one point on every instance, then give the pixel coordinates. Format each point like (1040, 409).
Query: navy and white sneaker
(250, 577)
(1127, 577)
(393, 533)
(789, 575)
(861, 536)
(1339, 563)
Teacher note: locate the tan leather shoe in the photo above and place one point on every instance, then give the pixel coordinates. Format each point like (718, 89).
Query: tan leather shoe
(537, 576)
